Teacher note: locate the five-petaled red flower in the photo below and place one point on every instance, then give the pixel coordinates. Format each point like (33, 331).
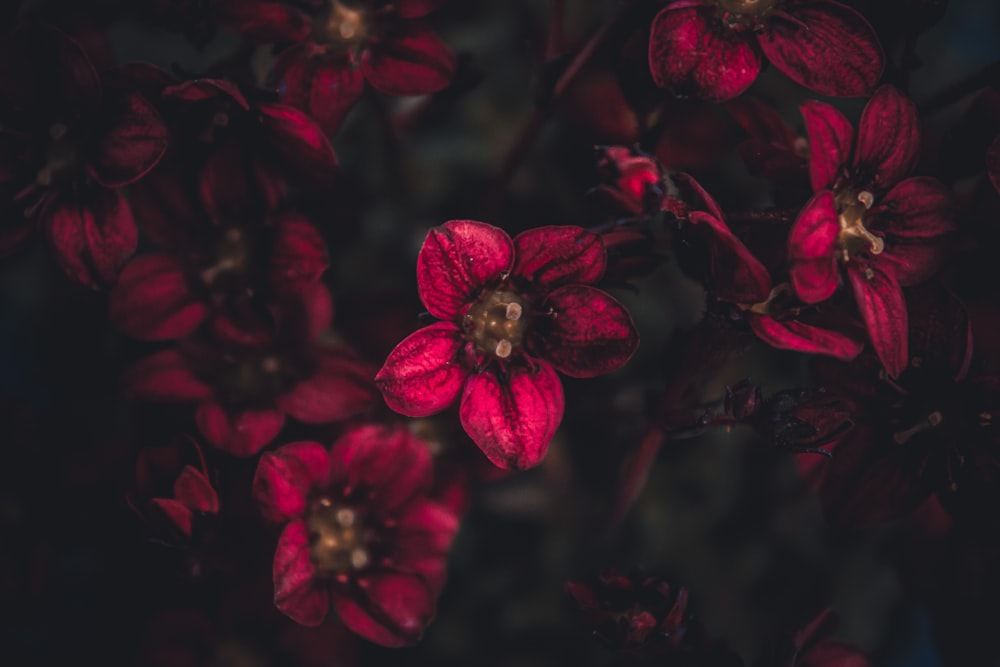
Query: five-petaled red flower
(360, 535)
(883, 228)
(515, 309)
(713, 49)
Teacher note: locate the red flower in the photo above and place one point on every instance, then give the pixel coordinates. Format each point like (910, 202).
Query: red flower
(342, 44)
(713, 49)
(737, 277)
(515, 310)
(883, 229)
(244, 388)
(69, 145)
(360, 535)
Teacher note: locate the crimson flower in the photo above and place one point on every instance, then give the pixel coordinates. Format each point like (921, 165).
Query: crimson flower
(713, 49)
(68, 144)
(245, 387)
(360, 535)
(515, 310)
(882, 227)
(346, 43)
(739, 278)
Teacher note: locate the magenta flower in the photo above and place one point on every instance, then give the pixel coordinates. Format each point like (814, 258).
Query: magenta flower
(883, 228)
(360, 535)
(713, 49)
(514, 311)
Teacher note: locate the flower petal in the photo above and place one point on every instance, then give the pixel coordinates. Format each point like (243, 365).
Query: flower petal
(286, 476)
(826, 46)
(92, 238)
(240, 433)
(413, 9)
(163, 377)
(176, 513)
(558, 255)
(422, 540)
(456, 260)
(794, 335)
(888, 138)
(132, 140)
(883, 309)
(264, 22)
(811, 245)
(299, 140)
(917, 208)
(589, 332)
(298, 253)
(691, 53)
(831, 138)
(392, 464)
(738, 276)
(423, 374)
(339, 387)
(193, 489)
(411, 61)
(389, 609)
(513, 419)
(324, 86)
(153, 301)
(297, 593)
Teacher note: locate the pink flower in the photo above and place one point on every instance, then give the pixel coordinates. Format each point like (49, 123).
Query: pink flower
(514, 311)
(360, 535)
(713, 49)
(883, 228)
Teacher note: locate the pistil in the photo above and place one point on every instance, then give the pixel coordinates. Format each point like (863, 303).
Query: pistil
(932, 421)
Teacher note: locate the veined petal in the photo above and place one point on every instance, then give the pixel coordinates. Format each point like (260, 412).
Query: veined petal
(153, 301)
(264, 22)
(739, 277)
(392, 464)
(412, 61)
(513, 419)
(456, 260)
(133, 139)
(828, 47)
(888, 137)
(193, 489)
(240, 433)
(340, 387)
(285, 477)
(794, 335)
(423, 537)
(91, 238)
(691, 53)
(299, 140)
(558, 255)
(883, 308)
(324, 86)
(811, 249)
(589, 332)
(917, 208)
(831, 138)
(391, 609)
(424, 374)
(296, 592)
(164, 376)
(298, 253)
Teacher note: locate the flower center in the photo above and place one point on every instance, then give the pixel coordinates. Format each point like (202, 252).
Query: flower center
(338, 538)
(497, 323)
(854, 237)
(342, 25)
(62, 159)
(232, 256)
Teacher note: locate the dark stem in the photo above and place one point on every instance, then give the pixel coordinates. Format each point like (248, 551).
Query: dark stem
(777, 216)
(988, 76)
(532, 126)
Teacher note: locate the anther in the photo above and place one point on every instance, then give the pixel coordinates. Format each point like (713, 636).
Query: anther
(359, 558)
(866, 198)
(514, 311)
(504, 348)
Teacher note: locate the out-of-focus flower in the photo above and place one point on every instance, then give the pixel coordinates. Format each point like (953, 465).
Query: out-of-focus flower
(713, 49)
(245, 387)
(514, 311)
(69, 144)
(360, 536)
(885, 229)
